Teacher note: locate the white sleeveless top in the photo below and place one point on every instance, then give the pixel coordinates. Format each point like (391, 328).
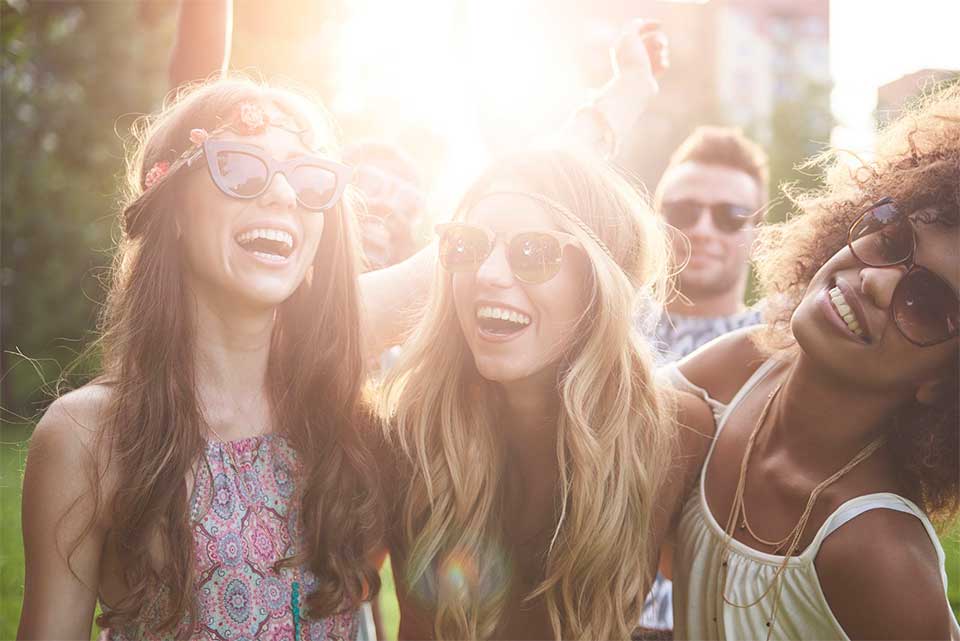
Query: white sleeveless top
(803, 613)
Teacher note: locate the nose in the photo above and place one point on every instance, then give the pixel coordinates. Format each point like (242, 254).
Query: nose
(279, 194)
(878, 283)
(704, 224)
(495, 270)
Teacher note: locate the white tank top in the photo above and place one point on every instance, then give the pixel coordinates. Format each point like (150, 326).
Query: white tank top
(803, 613)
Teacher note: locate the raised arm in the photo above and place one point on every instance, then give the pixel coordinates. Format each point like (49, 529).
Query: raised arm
(392, 296)
(638, 57)
(203, 40)
(62, 576)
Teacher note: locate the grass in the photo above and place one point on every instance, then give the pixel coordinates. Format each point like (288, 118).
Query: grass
(13, 452)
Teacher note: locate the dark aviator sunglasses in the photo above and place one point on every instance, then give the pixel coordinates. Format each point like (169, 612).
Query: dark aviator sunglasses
(925, 308)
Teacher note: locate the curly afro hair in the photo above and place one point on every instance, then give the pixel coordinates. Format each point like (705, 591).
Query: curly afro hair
(917, 162)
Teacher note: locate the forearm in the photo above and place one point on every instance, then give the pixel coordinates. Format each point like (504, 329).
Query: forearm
(612, 114)
(203, 40)
(391, 297)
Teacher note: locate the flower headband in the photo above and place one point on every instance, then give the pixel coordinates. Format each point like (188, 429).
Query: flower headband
(249, 120)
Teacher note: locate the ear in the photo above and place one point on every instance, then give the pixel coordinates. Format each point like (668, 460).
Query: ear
(931, 392)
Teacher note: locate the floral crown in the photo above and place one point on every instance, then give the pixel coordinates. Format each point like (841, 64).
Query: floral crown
(249, 120)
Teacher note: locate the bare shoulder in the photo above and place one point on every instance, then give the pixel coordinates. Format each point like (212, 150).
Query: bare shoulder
(74, 419)
(723, 365)
(63, 442)
(881, 577)
(695, 431)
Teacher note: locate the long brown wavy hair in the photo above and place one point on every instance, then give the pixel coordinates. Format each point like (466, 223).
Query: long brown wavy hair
(614, 437)
(917, 163)
(154, 433)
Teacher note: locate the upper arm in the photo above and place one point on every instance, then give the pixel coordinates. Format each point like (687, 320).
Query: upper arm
(62, 540)
(722, 366)
(695, 429)
(881, 577)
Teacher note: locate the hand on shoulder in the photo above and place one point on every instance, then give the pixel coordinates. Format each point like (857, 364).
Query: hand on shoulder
(881, 577)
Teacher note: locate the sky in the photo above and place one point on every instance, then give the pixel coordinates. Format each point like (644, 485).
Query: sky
(875, 41)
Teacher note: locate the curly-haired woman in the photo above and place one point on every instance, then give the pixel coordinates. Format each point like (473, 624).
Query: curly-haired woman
(837, 441)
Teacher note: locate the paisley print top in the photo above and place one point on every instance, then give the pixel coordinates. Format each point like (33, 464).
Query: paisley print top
(245, 518)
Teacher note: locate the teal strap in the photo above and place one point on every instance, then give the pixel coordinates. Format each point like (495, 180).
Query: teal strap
(295, 608)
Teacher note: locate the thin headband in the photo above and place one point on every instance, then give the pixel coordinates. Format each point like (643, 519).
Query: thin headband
(563, 211)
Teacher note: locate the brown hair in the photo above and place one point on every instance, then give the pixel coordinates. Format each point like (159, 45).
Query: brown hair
(918, 164)
(154, 433)
(726, 147)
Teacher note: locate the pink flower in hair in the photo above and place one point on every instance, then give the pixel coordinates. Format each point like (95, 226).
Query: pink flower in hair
(252, 119)
(198, 136)
(156, 173)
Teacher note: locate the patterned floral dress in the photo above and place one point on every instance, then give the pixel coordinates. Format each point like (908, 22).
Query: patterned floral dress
(245, 519)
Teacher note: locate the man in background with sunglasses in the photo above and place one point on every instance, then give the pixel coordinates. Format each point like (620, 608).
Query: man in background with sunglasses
(710, 194)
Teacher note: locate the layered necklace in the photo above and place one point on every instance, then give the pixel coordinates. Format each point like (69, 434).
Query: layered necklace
(789, 543)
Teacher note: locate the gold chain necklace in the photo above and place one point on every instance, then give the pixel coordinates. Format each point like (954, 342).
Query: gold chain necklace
(738, 513)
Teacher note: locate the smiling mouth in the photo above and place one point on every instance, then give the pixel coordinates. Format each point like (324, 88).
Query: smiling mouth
(845, 312)
(271, 245)
(501, 322)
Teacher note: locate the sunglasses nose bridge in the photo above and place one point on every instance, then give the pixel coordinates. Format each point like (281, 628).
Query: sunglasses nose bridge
(278, 190)
(495, 268)
(880, 283)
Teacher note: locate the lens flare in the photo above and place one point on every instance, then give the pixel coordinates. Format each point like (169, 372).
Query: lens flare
(460, 576)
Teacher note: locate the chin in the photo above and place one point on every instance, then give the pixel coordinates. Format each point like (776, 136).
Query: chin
(265, 295)
(816, 342)
(497, 370)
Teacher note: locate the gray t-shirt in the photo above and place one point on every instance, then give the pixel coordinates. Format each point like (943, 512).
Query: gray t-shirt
(675, 335)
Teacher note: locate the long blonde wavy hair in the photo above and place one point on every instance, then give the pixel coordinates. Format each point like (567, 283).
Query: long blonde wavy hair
(614, 436)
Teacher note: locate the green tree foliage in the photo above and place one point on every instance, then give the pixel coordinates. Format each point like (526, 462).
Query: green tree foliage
(74, 76)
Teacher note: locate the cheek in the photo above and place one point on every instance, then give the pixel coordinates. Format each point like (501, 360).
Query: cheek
(313, 232)
(563, 299)
(738, 244)
(462, 286)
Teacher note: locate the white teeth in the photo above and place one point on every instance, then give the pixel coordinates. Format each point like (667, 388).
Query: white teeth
(273, 258)
(499, 313)
(844, 310)
(277, 235)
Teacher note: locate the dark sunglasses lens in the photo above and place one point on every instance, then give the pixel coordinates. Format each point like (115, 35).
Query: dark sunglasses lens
(534, 257)
(925, 308)
(881, 237)
(730, 218)
(316, 186)
(241, 174)
(682, 213)
(463, 248)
